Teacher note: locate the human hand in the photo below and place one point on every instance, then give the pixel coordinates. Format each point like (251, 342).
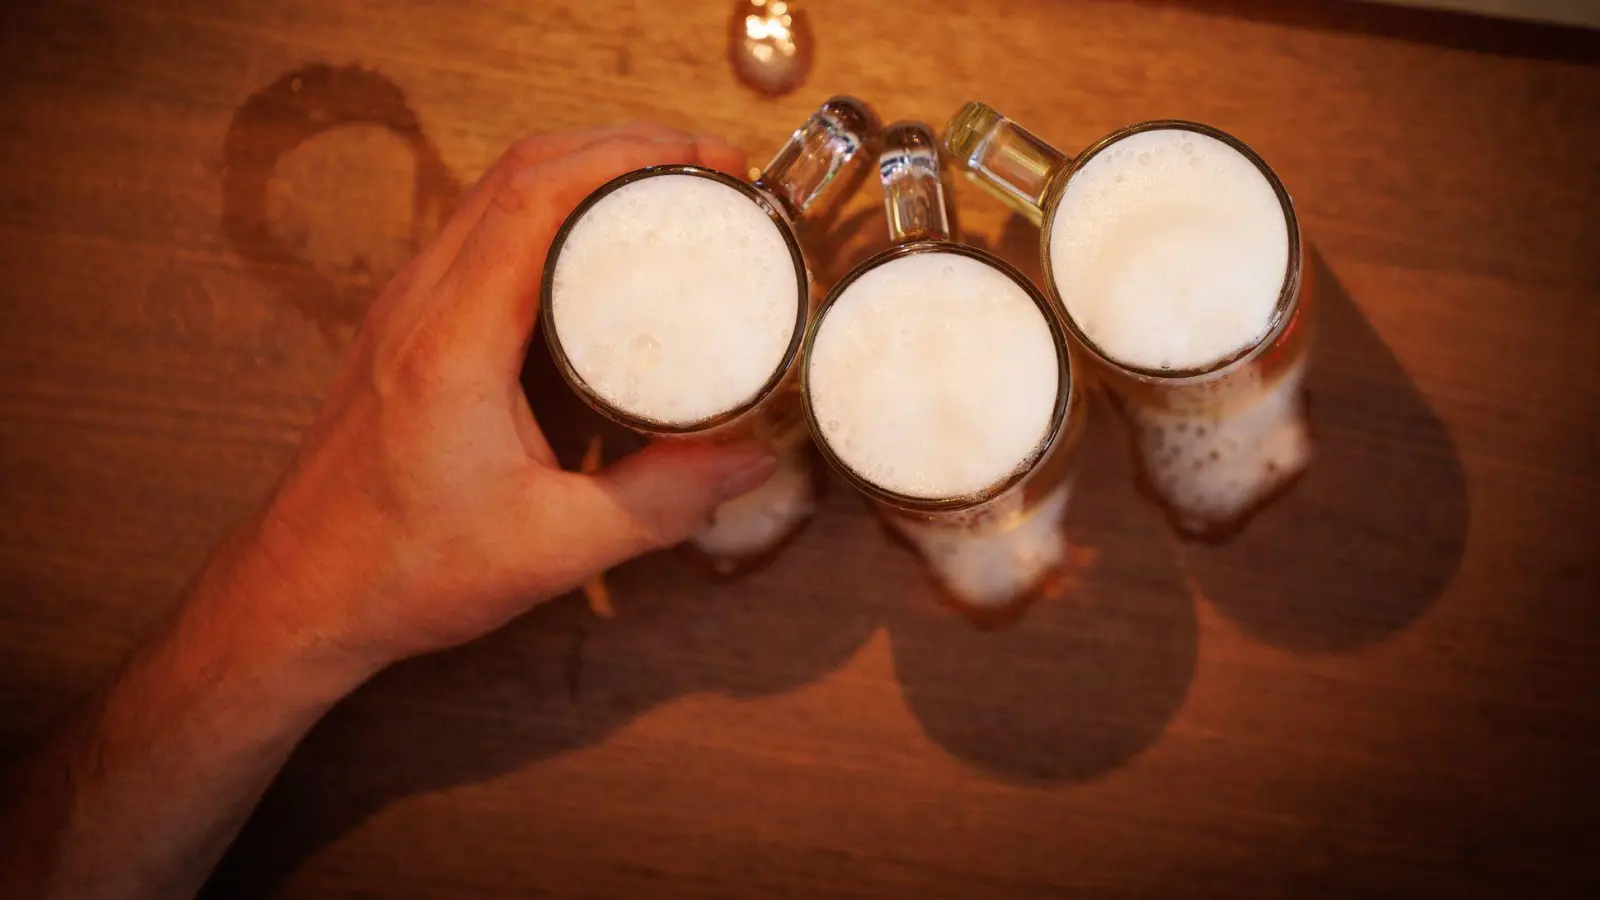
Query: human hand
(425, 507)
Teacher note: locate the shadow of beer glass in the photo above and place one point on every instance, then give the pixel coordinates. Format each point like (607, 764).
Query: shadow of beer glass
(1371, 534)
(1369, 537)
(1094, 671)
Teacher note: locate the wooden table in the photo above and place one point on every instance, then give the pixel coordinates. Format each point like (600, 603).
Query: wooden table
(1389, 685)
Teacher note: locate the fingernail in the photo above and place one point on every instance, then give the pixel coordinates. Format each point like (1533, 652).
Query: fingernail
(747, 477)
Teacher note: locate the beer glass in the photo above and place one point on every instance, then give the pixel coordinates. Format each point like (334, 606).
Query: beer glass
(652, 243)
(990, 535)
(1214, 439)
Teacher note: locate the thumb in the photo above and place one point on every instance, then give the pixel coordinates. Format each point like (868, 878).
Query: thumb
(655, 498)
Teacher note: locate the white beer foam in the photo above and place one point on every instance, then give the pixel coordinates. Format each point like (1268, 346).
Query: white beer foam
(1169, 249)
(933, 376)
(674, 298)
(1211, 469)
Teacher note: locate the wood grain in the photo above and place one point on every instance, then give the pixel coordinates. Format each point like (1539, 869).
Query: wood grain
(1388, 686)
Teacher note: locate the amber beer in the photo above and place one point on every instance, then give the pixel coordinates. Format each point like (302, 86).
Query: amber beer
(937, 380)
(1175, 254)
(675, 301)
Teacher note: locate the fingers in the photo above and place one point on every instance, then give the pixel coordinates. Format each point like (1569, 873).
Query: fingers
(527, 152)
(653, 499)
(494, 280)
(715, 153)
(537, 149)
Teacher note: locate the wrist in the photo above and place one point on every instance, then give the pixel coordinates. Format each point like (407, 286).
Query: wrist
(280, 609)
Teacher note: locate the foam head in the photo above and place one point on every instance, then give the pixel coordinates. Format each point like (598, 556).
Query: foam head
(1169, 249)
(934, 375)
(675, 298)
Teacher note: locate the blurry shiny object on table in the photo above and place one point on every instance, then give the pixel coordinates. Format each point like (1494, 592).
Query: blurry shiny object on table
(769, 45)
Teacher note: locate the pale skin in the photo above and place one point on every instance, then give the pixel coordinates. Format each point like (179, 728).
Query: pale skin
(424, 509)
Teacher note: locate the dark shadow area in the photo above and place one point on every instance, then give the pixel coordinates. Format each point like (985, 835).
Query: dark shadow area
(272, 123)
(1091, 675)
(560, 679)
(1457, 30)
(1372, 533)
(856, 236)
(1018, 244)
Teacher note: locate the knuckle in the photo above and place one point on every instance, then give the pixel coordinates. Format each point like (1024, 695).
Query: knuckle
(521, 194)
(627, 520)
(663, 526)
(412, 367)
(526, 151)
(644, 128)
(625, 146)
(637, 139)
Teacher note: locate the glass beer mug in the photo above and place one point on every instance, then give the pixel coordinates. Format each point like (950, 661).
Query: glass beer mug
(675, 300)
(1174, 253)
(937, 380)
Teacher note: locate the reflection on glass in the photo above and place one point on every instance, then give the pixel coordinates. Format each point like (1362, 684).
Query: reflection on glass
(769, 45)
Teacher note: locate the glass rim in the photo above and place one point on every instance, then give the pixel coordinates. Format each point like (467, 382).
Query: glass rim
(605, 407)
(1288, 294)
(1059, 415)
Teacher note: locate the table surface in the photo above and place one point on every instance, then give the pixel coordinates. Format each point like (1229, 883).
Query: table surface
(1389, 684)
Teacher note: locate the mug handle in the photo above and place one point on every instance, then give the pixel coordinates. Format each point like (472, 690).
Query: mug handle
(1004, 158)
(812, 174)
(913, 186)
